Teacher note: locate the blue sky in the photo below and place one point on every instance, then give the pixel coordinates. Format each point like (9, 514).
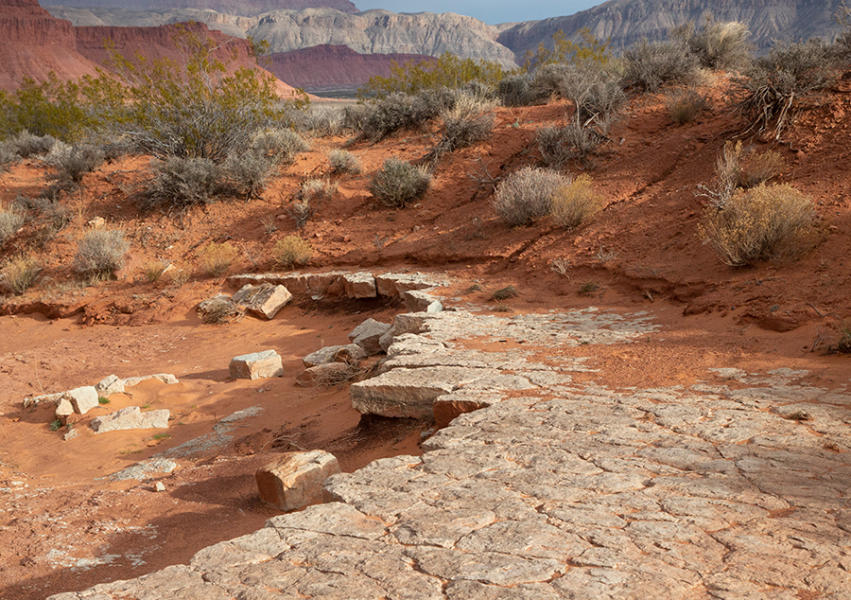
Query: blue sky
(489, 11)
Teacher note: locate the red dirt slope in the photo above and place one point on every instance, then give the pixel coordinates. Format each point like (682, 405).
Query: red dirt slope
(328, 67)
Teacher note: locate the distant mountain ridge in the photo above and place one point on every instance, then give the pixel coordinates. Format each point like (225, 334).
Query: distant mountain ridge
(234, 7)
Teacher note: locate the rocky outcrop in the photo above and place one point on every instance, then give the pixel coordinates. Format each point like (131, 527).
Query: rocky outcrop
(333, 67)
(236, 7)
(624, 22)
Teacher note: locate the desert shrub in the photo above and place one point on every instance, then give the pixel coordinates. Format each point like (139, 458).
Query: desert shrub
(291, 251)
(685, 105)
(356, 115)
(587, 51)
(319, 121)
(399, 182)
(300, 211)
(343, 161)
(316, 190)
(153, 270)
(650, 65)
(24, 144)
(736, 168)
(72, 162)
(759, 167)
(182, 182)
(20, 273)
(282, 145)
(100, 253)
(574, 203)
(526, 195)
(561, 144)
(448, 71)
(215, 259)
(768, 93)
(717, 45)
(595, 91)
(760, 223)
(247, 172)
(468, 122)
(10, 222)
(517, 90)
(401, 111)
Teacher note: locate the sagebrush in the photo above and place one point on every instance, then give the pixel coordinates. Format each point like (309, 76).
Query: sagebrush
(100, 253)
(574, 203)
(398, 182)
(292, 251)
(526, 195)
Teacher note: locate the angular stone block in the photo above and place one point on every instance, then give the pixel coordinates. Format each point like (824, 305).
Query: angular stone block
(36, 400)
(258, 365)
(111, 384)
(367, 335)
(422, 301)
(295, 480)
(331, 373)
(64, 409)
(83, 399)
(359, 285)
(131, 417)
(350, 353)
(264, 300)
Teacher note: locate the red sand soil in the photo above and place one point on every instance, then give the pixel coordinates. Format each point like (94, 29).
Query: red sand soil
(642, 252)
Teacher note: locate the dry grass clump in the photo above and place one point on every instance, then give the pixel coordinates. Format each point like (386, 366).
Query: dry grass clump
(216, 259)
(466, 123)
(575, 203)
(650, 65)
(153, 270)
(717, 45)
(764, 222)
(25, 145)
(291, 251)
(737, 168)
(100, 253)
(316, 190)
(19, 273)
(182, 182)
(343, 161)
(10, 222)
(526, 195)
(402, 111)
(684, 106)
(398, 182)
(280, 144)
(72, 162)
(561, 144)
(759, 167)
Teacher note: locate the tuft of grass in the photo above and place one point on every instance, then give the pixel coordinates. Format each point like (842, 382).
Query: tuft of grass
(292, 251)
(399, 183)
(843, 344)
(154, 270)
(575, 203)
(587, 289)
(650, 65)
(504, 293)
(316, 190)
(759, 167)
(10, 222)
(767, 221)
(216, 259)
(55, 425)
(20, 273)
(102, 400)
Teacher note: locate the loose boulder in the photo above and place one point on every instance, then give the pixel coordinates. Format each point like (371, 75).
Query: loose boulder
(83, 399)
(367, 335)
(131, 417)
(264, 300)
(350, 353)
(258, 365)
(166, 378)
(295, 480)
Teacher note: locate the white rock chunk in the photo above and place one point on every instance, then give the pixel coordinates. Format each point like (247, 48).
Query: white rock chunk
(131, 417)
(258, 365)
(264, 300)
(295, 480)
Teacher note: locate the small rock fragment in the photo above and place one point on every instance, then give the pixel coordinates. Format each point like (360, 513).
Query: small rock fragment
(83, 399)
(159, 486)
(131, 417)
(96, 223)
(264, 300)
(422, 301)
(367, 335)
(219, 309)
(258, 365)
(295, 480)
(70, 434)
(64, 409)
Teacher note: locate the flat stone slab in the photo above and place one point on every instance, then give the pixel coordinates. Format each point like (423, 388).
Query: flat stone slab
(166, 378)
(359, 285)
(131, 417)
(258, 365)
(264, 300)
(145, 469)
(295, 480)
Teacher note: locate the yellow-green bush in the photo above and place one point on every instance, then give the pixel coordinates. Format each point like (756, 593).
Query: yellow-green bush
(216, 259)
(575, 203)
(291, 251)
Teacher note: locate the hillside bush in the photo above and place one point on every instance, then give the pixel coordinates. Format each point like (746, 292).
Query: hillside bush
(282, 145)
(717, 45)
(20, 273)
(558, 145)
(24, 144)
(763, 222)
(768, 92)
(574, 203)
(650, 65)
(215, 259)
(343, 161)
(526, 195)
(100, 253)
(737, 168)
(448, 71)
(517, 90)
(468, 122)
(72, 162)
(316, 190)
(10, 222)
(398, 183)
(182, 182)
(246, 173)
(401, 111)
(587, 51)
(292, 251)
(684, 106)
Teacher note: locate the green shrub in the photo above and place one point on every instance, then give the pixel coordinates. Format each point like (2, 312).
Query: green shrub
(574, 203)
(650, 65)
(343, 161)
(448, 71)
(10, 222)
(685, 105)
(100, 253)
(72, 162)
(182, 182)
(561, 144)
(20, 273)
(398, 183)
(291, 251)
(526, 195)
(760, 223)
